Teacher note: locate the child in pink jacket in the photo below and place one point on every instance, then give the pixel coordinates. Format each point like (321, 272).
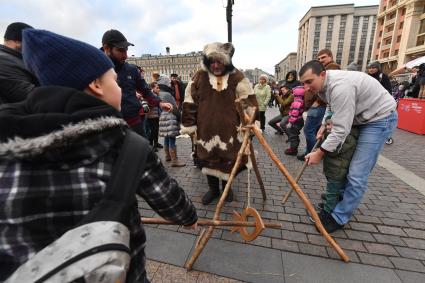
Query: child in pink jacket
(295, 121)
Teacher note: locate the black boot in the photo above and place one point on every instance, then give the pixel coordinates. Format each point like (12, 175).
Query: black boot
(213, 191)
(229, 197)
(329, 222)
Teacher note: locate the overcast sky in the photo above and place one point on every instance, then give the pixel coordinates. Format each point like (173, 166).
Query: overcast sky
(264, 32)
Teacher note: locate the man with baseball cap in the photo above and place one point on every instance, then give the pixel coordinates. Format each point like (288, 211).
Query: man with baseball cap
(115, 46)
(15, 79)
(116, 39)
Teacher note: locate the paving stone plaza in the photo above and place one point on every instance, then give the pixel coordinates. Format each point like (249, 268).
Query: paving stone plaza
(385, 240)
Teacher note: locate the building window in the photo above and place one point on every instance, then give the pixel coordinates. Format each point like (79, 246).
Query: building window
(422, 27)
(378, 45)
(380, 33)
(420, 40)
(399, 38)
(396, 52)
(387, 41)
(386, 54)
(403, 11)
(390, 28)
(401, 25)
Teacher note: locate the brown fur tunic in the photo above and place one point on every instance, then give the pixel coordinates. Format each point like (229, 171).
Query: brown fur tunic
(209, 109)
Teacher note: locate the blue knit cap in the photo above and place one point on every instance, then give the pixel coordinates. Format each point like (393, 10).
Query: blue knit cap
(62, 61)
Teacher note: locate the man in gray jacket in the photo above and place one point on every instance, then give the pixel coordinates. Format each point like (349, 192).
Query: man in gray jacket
(353, 98)
(15, 80)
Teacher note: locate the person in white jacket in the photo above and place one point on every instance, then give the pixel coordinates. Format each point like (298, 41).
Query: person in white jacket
(353, 98)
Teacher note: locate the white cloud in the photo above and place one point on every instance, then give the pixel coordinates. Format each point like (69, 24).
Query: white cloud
(264, 32)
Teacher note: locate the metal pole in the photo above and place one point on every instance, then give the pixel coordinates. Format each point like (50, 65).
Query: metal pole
(230, 3)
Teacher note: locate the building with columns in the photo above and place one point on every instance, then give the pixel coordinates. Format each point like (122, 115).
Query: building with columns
(345, 29)
(400, 33)
(253, 75)
(287, 64)
(185, 65)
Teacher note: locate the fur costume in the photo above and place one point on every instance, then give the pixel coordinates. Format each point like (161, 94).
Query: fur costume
(209, 110)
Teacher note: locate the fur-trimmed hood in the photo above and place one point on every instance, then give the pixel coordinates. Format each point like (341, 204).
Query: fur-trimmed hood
(57, 124)
(31, 149)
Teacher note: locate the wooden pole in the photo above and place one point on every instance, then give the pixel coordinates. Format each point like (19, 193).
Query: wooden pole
(300, 173)
(207, 235)
(206, 222)
(257, 172)
(300, 193)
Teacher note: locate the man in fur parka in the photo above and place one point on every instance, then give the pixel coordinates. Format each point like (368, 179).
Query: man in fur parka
(209, 110)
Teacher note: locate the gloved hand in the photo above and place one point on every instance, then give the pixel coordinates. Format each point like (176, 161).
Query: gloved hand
(289, 125)
(145, 106)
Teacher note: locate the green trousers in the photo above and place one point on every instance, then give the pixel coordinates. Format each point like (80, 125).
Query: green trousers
(333, 192)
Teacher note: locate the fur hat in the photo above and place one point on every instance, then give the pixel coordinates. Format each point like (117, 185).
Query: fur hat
(62, 61)
(14, 31)
(264, 76)
(220, 51)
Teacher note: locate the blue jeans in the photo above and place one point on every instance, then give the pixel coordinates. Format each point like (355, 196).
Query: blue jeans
(170, 142)
(371, 140)
(312, 125)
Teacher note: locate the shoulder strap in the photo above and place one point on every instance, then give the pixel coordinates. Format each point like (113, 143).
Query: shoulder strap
(128, 167)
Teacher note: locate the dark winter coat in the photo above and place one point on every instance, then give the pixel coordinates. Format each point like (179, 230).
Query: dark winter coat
(16, 81)
(384, 80)
(130, 81)
(57, 149)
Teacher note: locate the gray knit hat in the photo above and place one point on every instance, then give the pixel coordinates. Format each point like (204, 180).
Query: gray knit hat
(353, 67)
(375, 64)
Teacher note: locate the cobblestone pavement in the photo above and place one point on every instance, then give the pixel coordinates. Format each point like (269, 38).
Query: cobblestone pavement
(407, 151)
(163, 273)
(387, 230)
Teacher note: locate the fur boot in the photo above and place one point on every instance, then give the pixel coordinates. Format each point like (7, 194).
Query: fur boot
(174, 159)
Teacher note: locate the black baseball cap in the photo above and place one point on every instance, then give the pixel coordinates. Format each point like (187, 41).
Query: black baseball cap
(14, 31)
(116, 39)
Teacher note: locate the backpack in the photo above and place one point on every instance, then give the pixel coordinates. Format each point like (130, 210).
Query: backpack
(98, 248)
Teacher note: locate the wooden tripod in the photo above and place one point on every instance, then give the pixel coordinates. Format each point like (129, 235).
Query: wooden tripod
(249, 127)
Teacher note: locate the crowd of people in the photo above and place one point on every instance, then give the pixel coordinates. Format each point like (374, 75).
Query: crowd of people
(66, 108)
(349, 115)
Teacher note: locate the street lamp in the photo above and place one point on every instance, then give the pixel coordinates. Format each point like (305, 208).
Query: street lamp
(230, 3)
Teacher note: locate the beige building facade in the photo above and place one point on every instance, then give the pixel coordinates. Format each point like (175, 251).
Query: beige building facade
(289, 63)
(253, 75)
(400, 33)
(185, 65)
(345, 29)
